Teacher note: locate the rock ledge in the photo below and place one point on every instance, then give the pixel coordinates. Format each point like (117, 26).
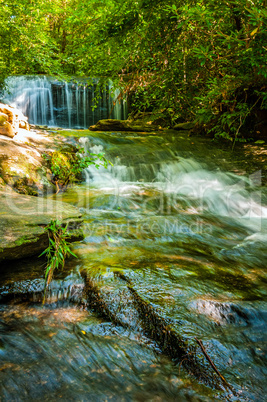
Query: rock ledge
(122, 125)
(23, 221)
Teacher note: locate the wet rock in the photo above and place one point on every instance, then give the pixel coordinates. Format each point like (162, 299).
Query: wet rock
(116, 298)
(22, 290)
(113, 300)
(23, 222)
(68, 352)
(121, 125)
(32, 290)
(228, 313)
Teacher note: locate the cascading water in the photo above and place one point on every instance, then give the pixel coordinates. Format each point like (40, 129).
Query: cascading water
(219, 193)
(174, 252)
(47, 101)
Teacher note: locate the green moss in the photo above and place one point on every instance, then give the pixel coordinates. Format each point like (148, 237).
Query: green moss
(72, 133)
(23, 240)
(67, 164)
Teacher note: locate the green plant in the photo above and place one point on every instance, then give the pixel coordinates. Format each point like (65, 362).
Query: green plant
(57, 251)
(228, 123)
(67, 166)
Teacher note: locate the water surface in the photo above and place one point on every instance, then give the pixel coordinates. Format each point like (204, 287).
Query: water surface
(175, 237)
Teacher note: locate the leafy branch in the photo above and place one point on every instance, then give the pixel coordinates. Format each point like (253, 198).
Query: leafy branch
(56, 252)
(66, 166)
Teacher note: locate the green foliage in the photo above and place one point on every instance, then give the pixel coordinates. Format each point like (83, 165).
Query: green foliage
(67, 166)
(186, 59)
(56, 252)
(26, 43)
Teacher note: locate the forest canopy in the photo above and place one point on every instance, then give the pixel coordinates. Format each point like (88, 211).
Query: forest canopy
(195, 60)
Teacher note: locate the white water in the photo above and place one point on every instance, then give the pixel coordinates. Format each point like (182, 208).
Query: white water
(217, 193)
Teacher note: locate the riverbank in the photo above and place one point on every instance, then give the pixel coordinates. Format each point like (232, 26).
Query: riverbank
(24, 181)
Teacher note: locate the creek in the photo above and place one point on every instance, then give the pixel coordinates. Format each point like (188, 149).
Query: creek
(174, 250)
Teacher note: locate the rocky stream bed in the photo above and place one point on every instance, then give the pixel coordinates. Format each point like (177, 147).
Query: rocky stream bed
(171, 269)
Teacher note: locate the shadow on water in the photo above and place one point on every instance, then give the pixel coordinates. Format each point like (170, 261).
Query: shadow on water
(174, 253)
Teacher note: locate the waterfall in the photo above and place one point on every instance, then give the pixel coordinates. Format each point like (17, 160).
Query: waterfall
(77, 103)
(84, 106)
(116, 107)
(68, 102)
(47, 101)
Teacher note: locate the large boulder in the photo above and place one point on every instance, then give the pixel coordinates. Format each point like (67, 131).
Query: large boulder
(11, 120)
(6, 129)
(5, 126)
(23, 222)
(22, 165)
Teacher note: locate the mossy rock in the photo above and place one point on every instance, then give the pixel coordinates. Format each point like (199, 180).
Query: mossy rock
(23, 221)
(184, 126)
(121, 125)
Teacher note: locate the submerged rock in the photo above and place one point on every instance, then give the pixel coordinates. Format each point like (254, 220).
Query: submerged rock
(23, 222)
(116, 298)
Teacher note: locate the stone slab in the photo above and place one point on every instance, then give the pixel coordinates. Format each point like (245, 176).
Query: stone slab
(23, 220)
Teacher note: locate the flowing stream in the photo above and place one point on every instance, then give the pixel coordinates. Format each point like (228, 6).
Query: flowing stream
(174, 256)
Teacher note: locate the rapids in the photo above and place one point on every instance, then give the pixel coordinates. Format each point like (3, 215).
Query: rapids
(174, 250)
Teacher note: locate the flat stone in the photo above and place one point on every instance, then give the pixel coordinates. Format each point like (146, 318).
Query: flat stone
(23, 220)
